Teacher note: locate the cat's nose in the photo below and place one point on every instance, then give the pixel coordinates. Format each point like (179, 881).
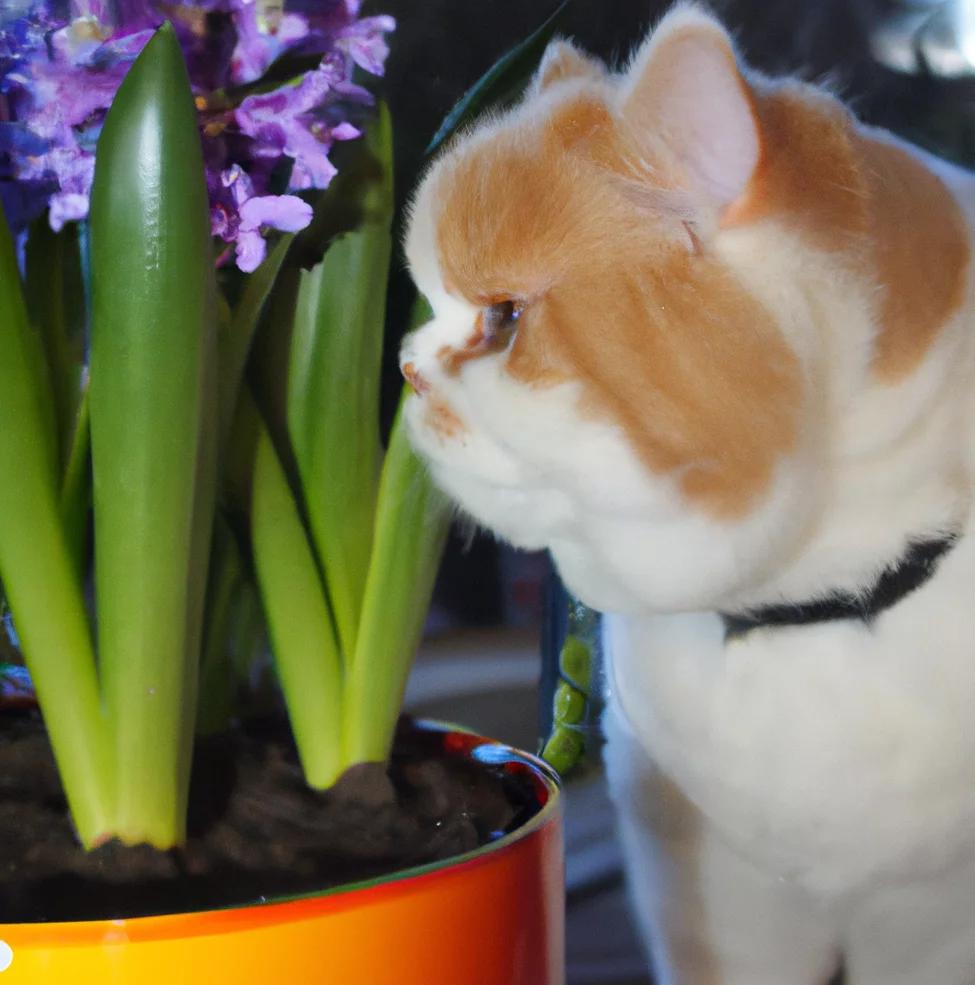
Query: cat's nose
(412, 376)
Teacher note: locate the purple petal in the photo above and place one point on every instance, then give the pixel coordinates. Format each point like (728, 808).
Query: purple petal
(345, 131)
(251, 250)
(238, 181)
(18, 138)
(254, 51)
(285, 212)
(121, 49)
(134, 15)
(221, 224)
(312, 168)
(97, 10)
(293, 27)
(69, 97)
(67, 207)
(366, 44)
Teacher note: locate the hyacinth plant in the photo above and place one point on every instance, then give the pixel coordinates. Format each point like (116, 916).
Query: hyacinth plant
(192, 304)
(124, 395)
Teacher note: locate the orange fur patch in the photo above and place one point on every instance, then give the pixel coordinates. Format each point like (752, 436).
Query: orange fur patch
(870, 201)
(412, 376)
(921, 255)
(441, 419)
(665, 342)
(807, 176)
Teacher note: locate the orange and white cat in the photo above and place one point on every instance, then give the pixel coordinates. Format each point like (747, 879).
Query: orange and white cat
(711, 342)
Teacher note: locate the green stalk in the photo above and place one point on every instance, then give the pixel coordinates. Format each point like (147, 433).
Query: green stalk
(54, 291)
(39, 577)
(302, 635)
(235, 342)
(152, 324)
(333, 390)
(217, 673)
(201, 542)
(76, 488)
(412, 519)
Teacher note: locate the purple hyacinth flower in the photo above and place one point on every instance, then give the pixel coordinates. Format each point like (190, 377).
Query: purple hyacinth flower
(283, 124)
(365, 42)
(259, 44)
(72, 169)
(58, 78)
(287, 213)
(241, 215)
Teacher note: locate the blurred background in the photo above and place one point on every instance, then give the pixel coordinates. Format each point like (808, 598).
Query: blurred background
(903, 64)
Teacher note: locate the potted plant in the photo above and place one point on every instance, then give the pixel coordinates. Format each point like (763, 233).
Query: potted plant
(191, 459)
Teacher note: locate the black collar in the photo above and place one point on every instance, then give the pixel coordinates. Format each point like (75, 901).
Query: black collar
(914, 568)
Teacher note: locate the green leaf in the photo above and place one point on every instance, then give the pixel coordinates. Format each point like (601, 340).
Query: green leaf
(235, 343)
(412, 520)
(306, 651)
(39, 576)
(54, 291)
(333, 390)
(217, 677)
(503, 82)
(206, 478)
(76, 487)
(153, 309)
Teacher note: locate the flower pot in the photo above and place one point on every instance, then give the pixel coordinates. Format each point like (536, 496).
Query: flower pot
(492, 917)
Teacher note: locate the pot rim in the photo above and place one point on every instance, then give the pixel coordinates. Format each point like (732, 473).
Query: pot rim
(265, 912)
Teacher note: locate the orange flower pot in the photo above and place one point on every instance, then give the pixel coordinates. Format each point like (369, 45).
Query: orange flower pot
(492, 917)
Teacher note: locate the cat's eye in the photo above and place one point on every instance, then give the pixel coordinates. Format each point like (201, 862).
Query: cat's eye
(498, 321)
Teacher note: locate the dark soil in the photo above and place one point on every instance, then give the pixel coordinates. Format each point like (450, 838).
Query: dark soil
(255, 831)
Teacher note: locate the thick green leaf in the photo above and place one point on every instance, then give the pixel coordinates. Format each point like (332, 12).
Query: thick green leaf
(39, 576)
(333, 390)
(412, 519)
(306, 651)
(504, 80)
(153, 308)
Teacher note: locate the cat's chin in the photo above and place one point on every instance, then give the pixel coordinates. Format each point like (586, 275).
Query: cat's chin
(488, 488)
(620, 544)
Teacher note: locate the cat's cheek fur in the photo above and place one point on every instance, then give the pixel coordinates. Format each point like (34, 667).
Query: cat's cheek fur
(534, 470)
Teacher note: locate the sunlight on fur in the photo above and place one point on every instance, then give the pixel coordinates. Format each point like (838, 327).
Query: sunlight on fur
(708, 340)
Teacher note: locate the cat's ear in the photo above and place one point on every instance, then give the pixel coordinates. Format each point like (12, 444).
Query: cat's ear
(684, 88)
(563, 60)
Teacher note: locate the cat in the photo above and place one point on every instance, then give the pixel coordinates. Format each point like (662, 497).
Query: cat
(709, 341)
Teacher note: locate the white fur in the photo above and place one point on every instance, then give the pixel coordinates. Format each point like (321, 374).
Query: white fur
(802, 793)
